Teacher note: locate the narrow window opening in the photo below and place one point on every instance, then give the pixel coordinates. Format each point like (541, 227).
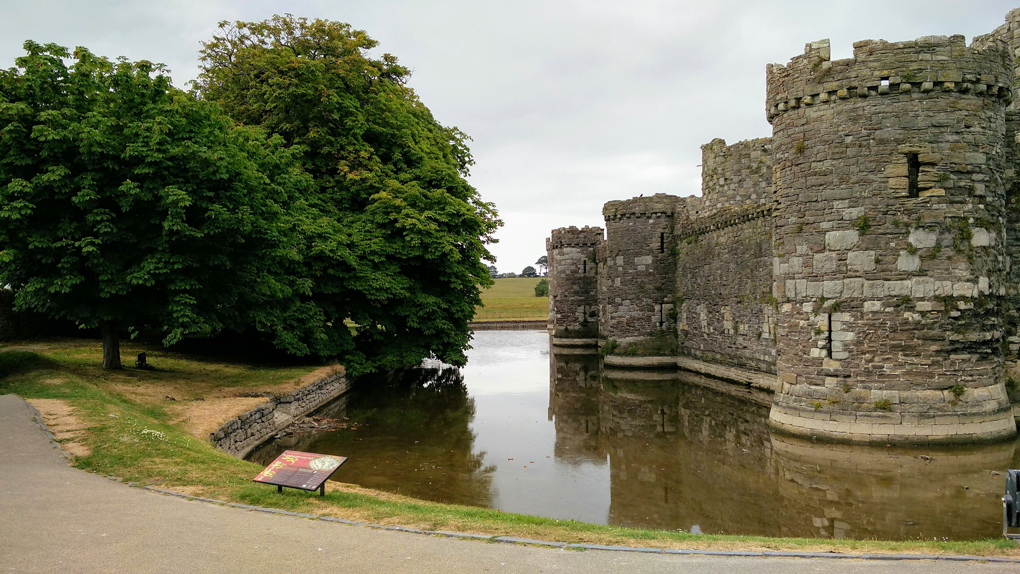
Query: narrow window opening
(885, 81)
(829, 334)
(584, 314)
(660, 317)
(662, 243)
(584, 267)
(913, 169)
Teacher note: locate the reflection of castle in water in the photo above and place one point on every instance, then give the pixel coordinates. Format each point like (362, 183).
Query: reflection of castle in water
(688, 450)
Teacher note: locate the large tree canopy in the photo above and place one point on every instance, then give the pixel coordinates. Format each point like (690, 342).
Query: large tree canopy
(398, 246)
(128, 204)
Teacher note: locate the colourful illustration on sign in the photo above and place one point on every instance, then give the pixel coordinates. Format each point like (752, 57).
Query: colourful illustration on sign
(304, 470)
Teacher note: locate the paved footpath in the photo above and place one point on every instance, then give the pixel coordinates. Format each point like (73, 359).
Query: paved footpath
(55, 518)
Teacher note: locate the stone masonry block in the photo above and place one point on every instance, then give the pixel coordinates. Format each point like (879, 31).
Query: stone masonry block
(921, 287)
(853, 287)
(874, 289)
(897, 288)
(980, 237)
(923, 238)
(824, 263)
(860, 261)
(832, 289)
(841, 240)
(908, 262)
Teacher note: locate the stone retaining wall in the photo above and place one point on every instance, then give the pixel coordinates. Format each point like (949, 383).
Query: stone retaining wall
(240, 435)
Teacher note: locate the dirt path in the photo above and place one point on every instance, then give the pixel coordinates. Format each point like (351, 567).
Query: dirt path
(54, 518)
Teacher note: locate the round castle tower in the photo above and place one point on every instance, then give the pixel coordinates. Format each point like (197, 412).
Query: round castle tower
(573, 283)
(637, 274)
(889, 243)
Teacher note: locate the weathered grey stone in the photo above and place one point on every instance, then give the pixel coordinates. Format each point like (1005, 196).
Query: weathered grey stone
(841, 240)
(825, 263)
(908, 261)
(923, 238)
(980, 237)
(860, 261)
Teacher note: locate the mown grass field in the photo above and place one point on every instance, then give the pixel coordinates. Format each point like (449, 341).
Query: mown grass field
(131, 429)
(512, 299)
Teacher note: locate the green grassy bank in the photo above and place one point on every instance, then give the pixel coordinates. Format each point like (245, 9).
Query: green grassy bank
(128, 426)
(512, 299)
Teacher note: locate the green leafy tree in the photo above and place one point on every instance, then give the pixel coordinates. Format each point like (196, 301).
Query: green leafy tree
(542, 288)
(543, 264)
(398, 245)
(128, 204)
(529, 271)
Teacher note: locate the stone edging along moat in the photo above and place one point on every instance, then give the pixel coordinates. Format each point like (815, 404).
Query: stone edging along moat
(240, 435)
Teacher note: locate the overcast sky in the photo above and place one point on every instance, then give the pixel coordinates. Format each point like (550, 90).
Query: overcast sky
(570, 103)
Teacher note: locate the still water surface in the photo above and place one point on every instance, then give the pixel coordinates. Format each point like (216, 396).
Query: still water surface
(523, 430)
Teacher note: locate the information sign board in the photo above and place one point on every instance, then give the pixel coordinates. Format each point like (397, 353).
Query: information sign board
(302, 470)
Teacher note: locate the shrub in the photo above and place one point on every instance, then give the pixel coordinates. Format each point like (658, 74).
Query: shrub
(542, 288)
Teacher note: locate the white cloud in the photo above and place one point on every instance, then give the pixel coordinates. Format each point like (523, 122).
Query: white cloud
(570, 103)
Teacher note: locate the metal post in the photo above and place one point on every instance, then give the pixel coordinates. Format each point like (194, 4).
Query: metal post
(322, 489)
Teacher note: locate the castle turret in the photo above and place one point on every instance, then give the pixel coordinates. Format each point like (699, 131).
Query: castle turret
(573, 282)
(889, 242)
(637, 289)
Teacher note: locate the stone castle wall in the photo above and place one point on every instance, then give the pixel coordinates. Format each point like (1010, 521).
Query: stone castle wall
(723, 245)
(636, 298)
(736, 176)
(727, 315)
(1012, 230)
(573, 289)
(861, 256)
(890, 274)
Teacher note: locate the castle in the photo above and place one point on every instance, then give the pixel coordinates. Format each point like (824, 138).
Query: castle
(858, 263)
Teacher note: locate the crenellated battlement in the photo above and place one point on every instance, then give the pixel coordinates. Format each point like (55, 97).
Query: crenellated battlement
(658, 205)
(924, 67)
(574, 237)
(735, 175)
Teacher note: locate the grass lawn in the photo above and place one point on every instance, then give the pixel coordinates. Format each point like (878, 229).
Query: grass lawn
(125, 424)
(512, 299)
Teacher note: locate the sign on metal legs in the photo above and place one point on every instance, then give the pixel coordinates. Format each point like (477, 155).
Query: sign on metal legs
(301, 470)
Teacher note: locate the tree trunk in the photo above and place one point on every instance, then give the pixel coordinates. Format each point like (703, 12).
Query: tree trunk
(111, 345)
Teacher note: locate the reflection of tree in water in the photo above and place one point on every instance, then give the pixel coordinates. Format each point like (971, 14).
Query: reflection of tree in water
(413, 437)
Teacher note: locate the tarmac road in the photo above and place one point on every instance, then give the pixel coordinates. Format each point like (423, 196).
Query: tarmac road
(55, 518)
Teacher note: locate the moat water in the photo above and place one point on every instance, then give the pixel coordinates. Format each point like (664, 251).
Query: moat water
(524, 430)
